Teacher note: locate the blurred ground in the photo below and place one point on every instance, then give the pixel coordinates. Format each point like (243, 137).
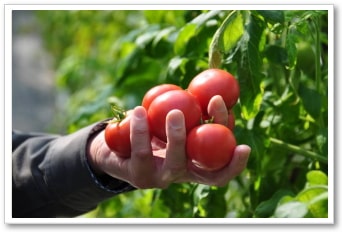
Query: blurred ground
(33, 91)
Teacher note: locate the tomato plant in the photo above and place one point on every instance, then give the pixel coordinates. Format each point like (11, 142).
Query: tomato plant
(213, 82)
(117, 137)
(163, 104)
(210, 146)
(282, 110)
(155, 92)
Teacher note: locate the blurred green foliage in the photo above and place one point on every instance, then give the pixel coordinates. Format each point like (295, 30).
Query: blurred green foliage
(280, 60)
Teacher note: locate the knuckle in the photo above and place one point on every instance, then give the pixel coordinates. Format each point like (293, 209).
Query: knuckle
(142, 153)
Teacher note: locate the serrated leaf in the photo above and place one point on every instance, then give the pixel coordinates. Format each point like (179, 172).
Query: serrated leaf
(291, 50)
(249, 65)
(225, 38)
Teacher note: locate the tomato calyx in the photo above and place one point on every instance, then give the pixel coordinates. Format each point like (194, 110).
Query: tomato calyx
(206, 120)
(119, 114)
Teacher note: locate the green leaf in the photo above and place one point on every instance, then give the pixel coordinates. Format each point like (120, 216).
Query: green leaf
(179, 199)
(276, 54)
(203, 18)
(147, 36)
(292, 209)
(272, 16)
(209, 201)
(191, 30)
(312, 100)
(232, 33)
(322, 141)
(266, 208)
(291, 50)
(249, 69)
(183, 38)
(316, 198)
(319, 205)
(225, 38)
(316, 177)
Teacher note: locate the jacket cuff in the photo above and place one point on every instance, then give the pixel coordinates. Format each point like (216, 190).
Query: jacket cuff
(78, 187)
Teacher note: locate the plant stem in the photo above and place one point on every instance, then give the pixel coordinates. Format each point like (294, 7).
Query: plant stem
(317, 24)
(299, 150)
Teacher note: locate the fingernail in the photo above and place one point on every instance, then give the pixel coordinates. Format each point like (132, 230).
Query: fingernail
(139, 112)
(246, 150)
(175, 119)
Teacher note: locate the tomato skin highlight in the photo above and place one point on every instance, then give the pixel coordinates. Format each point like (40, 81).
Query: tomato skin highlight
(117, 137)
(163, 104)
(156, 91)
(213, 82)
(210, 146)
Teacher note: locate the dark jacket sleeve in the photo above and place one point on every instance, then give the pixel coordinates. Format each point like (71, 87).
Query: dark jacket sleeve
(51, 176)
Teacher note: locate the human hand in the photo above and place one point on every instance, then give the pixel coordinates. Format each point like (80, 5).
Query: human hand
(157, 165)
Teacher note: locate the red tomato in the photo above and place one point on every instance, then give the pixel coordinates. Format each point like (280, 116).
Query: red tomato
(210, 146)
(213, 82)
(117, 137)
(163, 104)
(155, 92)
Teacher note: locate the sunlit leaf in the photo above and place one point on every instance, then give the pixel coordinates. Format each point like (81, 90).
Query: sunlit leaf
(225, 38)
(292, 209)
(316, 177)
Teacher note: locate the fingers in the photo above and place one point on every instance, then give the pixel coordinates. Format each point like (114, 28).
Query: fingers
(223, 176)
(218, 110)
(142, 164)
(176, 161)
(236, 166)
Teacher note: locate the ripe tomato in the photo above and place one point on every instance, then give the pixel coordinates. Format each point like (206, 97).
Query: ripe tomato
(213, 82)
(117, 137)
(210, 146)
(155, 92)
(163, 104)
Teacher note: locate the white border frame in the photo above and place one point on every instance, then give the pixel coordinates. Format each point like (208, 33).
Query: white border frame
(8, 8)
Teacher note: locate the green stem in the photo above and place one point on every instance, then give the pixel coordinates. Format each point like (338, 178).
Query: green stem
(299, 150)
(317, 23)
